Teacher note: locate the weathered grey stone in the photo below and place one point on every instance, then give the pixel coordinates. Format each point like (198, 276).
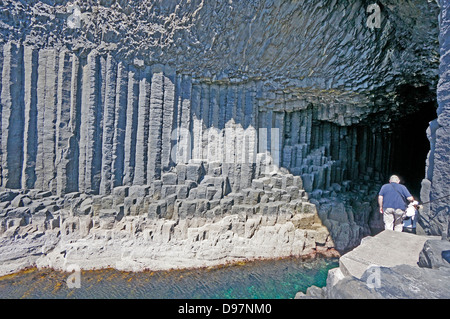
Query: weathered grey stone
(200, 210)
(227, 204)
(86, 206)
(43, 194)
(435, 218)
(276, 181)
(399, 282)
(36, 207)
(21, 201)
(169, 179)
(96, 118)
(193, 193)
(20, 215)
(168, 190)
(190, 184)
(250, 227)
(182, 191)
(120, 193)
(287, 180)
(156, 189)
(138, 191)
(187, 208)
(72, 196)
(96, 203)
(435, 254)
(170, 206)
(211, 193)
(238, 198)
(8, 195)
(378, 250)
(257, 184)
(107, 218)
(201, 191)
(194, 172)
(155, 209)
(107, 202)
(254, 196)
(214, 169)
(181, 173)
(308, 182)
(338, 213)
(314, 292)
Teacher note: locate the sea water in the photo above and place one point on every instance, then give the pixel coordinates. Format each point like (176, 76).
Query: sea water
(271, 279)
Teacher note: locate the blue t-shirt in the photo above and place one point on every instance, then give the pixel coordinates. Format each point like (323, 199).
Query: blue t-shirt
(391, 198)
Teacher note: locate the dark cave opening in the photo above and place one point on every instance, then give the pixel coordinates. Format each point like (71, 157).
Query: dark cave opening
(409, 143)
(394, 142)
(373, 150)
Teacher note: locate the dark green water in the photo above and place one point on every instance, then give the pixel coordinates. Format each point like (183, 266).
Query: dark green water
(272, 279)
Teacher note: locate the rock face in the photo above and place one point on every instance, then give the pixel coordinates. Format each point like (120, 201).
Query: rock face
(435, 254)
(109, 101)
(93, 123)
(371, 272)
(168, 224)
(162, 226)
(382, 250)
(435, 215)
(212, 129)
(399, 282)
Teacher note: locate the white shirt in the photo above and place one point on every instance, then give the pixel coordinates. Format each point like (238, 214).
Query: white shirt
(410, 212)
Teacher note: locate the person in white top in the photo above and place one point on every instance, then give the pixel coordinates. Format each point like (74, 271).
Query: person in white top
(410, 218)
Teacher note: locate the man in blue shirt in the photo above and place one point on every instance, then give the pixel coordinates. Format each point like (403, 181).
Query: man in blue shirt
(393, 199)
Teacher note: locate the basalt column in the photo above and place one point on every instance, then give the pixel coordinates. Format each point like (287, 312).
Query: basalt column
(436, 185)
(12, 113)
(91, 123)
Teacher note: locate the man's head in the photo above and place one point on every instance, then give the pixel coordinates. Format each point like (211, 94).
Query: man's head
(394, 179)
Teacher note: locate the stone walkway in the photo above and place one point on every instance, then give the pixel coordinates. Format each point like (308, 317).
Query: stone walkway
(386, 249)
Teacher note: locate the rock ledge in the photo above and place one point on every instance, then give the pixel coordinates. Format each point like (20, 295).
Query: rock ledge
(388, 266)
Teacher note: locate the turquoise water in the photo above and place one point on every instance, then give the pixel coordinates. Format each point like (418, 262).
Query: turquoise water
(271, 279)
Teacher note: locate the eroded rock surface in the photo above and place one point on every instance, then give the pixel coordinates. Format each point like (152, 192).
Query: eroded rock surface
(411, 274)
(85, 89)
(161, 226)
(213, 129)
(436, 184)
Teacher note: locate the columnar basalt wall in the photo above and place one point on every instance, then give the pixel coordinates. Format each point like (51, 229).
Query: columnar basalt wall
(91, 124)
(436, 185)
(202, 128)
(85, 91)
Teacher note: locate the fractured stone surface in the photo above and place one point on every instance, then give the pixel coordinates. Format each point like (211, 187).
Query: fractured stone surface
(387, 266)
(241, 150)
(383, 250)
(132, 229)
